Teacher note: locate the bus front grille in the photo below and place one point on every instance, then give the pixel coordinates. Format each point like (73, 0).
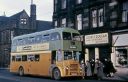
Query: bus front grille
(73, 67)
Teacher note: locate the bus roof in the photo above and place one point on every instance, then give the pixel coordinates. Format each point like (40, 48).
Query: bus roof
(47, 32)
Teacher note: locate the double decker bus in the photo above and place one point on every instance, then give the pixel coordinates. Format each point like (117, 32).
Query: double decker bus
(53, 53)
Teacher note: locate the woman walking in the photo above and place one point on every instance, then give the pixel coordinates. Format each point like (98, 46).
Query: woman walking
(88, 69)
(99, 69)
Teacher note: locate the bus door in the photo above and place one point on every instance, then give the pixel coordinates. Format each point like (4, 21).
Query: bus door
(59, 58)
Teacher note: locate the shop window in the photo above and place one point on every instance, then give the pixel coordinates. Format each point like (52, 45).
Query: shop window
(122, 56)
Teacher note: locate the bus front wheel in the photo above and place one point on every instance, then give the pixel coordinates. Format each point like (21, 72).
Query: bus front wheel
(56, 74)
(21, 71)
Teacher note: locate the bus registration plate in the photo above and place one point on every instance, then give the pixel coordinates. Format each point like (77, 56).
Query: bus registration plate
(73, 73)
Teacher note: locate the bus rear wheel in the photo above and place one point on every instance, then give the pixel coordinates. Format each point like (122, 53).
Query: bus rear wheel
(21, 71)
(56, 74)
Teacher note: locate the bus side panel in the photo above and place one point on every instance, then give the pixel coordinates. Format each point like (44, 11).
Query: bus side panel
(13, 67)
(42, 66)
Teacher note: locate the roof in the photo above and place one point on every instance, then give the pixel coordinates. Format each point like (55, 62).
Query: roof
(44, 25)
(3, 18)
(18, 14)
(46, 32)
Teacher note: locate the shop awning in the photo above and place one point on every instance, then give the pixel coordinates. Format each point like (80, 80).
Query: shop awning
(120, 40)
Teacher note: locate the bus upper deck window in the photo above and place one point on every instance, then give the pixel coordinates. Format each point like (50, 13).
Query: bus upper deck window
(66, 36)
(55, 36)
(75, 37)
(45, 37)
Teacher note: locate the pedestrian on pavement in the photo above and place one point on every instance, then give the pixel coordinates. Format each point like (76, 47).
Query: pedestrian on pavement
(99, 69)
(92, 62)
(112, 69)
(83, 68)
(106, 68)
(88, 69)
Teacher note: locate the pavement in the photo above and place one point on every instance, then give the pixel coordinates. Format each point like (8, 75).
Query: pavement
(120, 75)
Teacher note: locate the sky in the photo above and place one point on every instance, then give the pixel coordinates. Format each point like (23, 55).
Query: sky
(11, 7)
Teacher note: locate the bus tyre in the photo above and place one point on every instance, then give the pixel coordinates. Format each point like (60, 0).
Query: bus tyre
(21, 71)
(56, 74)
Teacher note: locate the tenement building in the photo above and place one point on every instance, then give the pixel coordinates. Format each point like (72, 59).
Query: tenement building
(15, 25)
(103, 25)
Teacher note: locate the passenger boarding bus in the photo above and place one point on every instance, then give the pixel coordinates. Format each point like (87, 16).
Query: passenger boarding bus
(54, 53)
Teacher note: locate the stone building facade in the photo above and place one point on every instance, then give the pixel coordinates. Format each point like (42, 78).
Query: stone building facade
(15, 25)
(103, 24)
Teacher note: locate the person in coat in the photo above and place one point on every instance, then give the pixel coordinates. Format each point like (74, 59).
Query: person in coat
(83, 68)
(99, 69)
(88, 69)
(92, 62)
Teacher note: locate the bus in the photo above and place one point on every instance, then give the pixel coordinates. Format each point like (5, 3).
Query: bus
(54, 53)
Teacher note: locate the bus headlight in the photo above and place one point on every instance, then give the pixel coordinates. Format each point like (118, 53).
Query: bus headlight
(67, 67)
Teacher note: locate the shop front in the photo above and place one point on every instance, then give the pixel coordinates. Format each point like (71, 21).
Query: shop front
(97, 46)
(120, 49)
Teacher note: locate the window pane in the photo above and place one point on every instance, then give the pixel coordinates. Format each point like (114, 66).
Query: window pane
(31, 40)
(31, 57)
(67, 55)
(66, 36)
(125, 12)
(55, 23)
(76, 36)
(63, 4)
(94, 18)
(79, 21)
(79, 1)
(63, 22)
(24, 58)
(13, 58)
(38, 38)
(55, 36)
(37, 57)
(45, 38)
(59, 55)
(18, 58)
(100, 17)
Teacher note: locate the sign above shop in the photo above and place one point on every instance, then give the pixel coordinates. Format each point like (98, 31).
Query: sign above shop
(101, 38)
